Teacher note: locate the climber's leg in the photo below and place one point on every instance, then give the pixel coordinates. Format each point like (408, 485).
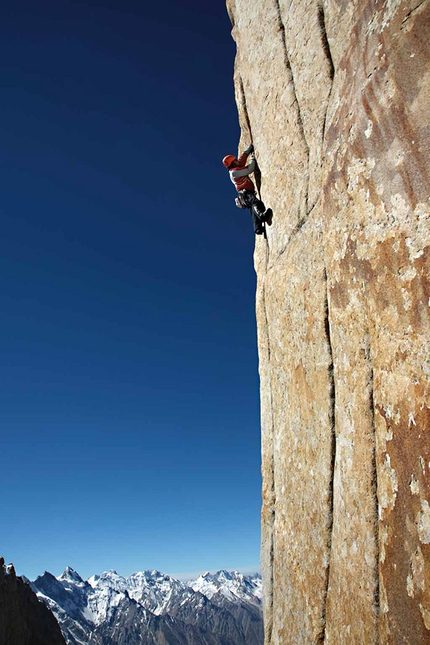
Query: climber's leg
(256, 208)
(257, 205)
(257, 222)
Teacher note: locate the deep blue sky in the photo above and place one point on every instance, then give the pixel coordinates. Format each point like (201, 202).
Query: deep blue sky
(129, 387)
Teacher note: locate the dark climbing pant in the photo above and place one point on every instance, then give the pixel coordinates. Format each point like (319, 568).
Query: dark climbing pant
(256, 207)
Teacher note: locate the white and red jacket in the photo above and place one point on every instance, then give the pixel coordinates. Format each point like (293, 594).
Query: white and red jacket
(239, 175)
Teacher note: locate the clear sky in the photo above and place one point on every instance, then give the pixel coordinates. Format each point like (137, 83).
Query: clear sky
(129, 415)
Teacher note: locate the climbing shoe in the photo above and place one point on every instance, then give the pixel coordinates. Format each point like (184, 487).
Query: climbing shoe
(268, 216)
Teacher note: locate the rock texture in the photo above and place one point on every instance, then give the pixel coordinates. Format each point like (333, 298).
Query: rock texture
(24, 620)
(335, 96)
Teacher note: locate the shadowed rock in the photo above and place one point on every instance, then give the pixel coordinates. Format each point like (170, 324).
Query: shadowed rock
(24, 620)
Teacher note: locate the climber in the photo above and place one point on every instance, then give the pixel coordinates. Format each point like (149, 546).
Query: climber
(246, 196)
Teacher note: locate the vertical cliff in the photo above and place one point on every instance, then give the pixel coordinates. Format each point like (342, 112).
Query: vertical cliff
(335, 96)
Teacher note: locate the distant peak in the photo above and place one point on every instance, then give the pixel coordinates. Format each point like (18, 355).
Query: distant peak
(107, 575)
(70, 574)
(45, 576)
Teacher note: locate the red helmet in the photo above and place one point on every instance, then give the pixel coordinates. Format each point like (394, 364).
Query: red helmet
(228, 160)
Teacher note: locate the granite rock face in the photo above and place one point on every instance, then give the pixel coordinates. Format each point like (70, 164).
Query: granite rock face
(24, 620)
(335, 96)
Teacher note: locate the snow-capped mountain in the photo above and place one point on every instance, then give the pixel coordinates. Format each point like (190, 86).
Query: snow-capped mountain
(151, 607)
(153, 590)
(233, 586)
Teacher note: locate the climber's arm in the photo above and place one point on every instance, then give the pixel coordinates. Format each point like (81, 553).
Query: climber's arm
(244, 156)
(243, 172)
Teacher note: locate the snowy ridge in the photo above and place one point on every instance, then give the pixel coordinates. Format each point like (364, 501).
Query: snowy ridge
(232, 585)
(151, 589)
(218, 606)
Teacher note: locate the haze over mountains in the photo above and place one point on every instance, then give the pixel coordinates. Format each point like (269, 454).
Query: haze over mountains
(151, 607)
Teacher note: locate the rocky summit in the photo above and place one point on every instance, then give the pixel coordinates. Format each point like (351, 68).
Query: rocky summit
(24, 620)
(334, 95)
(153, 608)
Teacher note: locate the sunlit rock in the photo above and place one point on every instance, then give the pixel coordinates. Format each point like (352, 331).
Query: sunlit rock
(335, 97)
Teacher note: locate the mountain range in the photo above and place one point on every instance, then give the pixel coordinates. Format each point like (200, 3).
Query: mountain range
(152, 608)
